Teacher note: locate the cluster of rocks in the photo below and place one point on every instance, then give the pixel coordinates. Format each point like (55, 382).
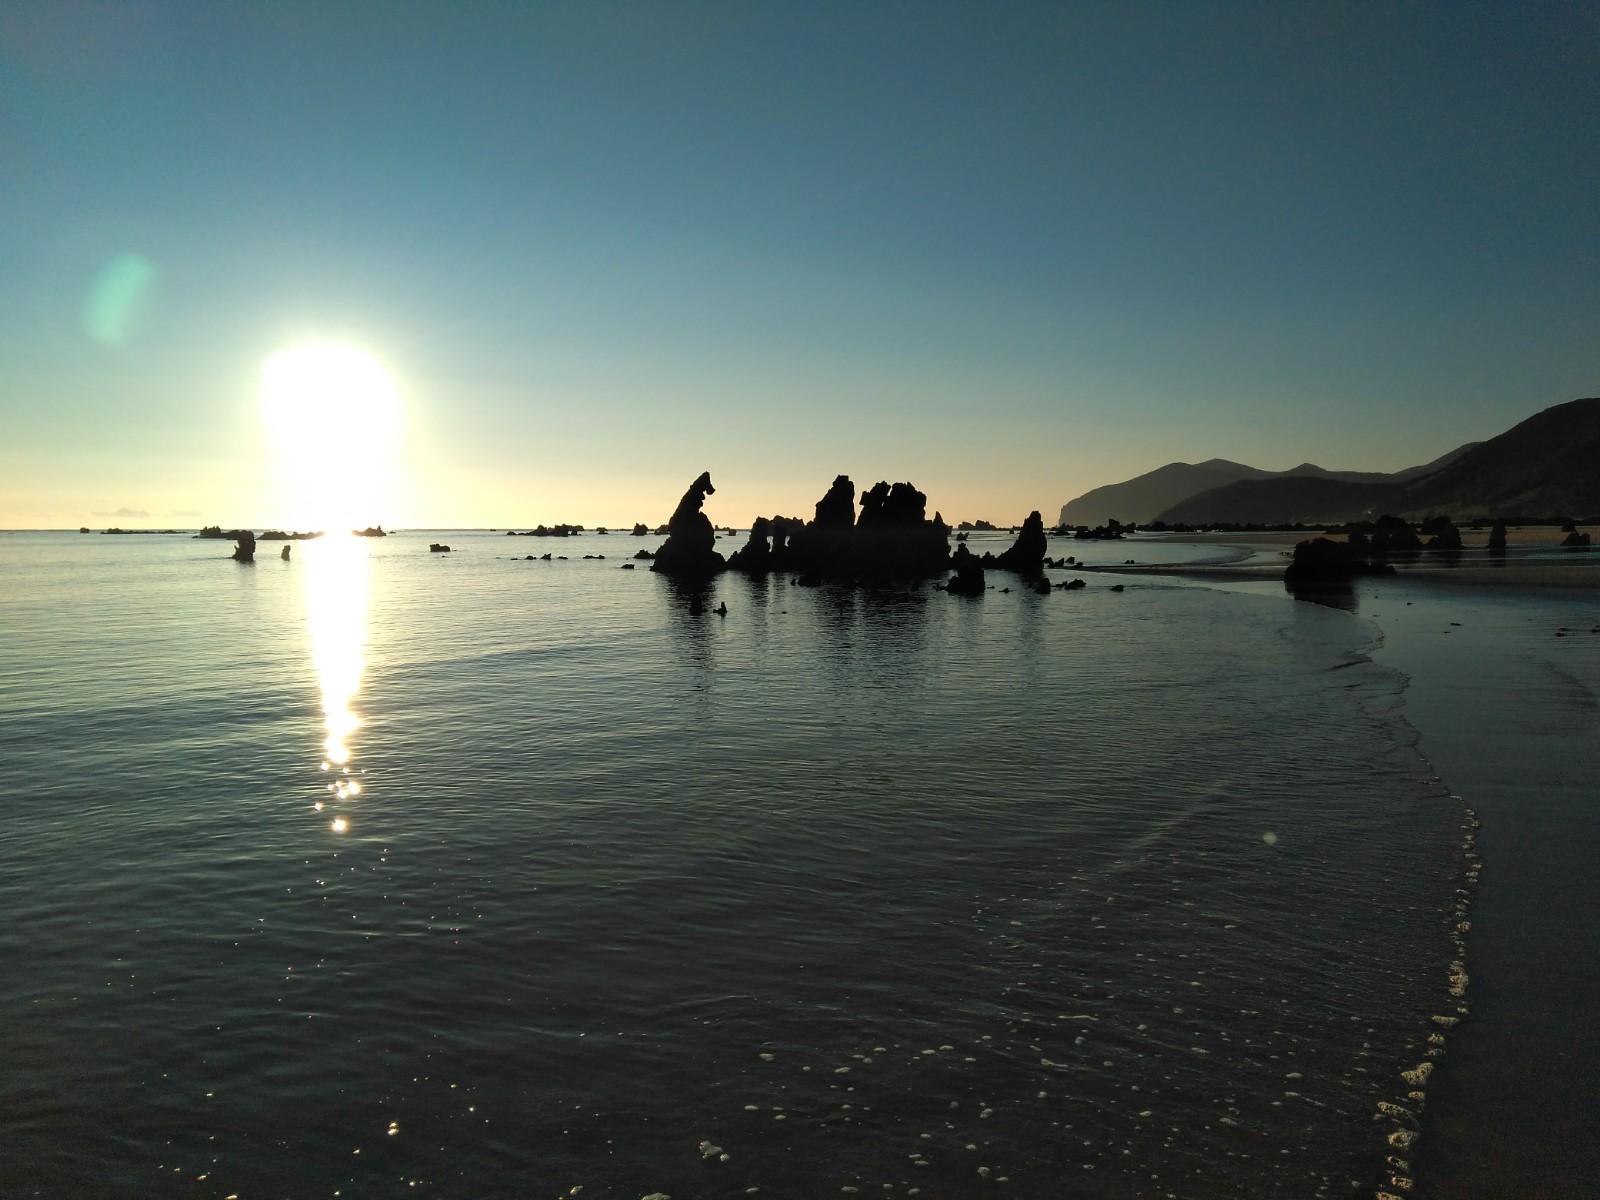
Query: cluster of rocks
(1322, 560)
(890, 538)
(547, 531)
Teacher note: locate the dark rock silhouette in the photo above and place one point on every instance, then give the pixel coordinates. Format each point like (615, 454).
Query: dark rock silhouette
(547, 531)
(642, 554)
(1071, 585)
(627, 566)
(837, 509)
(370, 531)
(245, 551)
(690, 545)
(721, 610)
(83, 529)
(433, 548)
(640, 530)
(1442, 534)
(1320, 560)
(1026, 555)
(968, 577)
(893, 539)
(284, 553)
(1497, 538)
(1576, 541)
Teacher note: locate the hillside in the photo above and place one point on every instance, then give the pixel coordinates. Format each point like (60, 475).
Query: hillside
(1146, 497)
(1546, 465)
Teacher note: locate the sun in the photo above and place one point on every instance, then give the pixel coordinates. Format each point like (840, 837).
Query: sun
(334, 418)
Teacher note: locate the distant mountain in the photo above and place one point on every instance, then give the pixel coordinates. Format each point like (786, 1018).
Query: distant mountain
(1144, 498)
(1547, 465)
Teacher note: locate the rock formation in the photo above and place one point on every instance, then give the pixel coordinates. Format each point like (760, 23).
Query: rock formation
(640, 530)
(433, 548)
(1576, 541)
(1324, 561)
(689, 548)
(245, 551)
(284, 553)
(1497, 538)
(1026, 555)
(1443, 534)
(968, 577)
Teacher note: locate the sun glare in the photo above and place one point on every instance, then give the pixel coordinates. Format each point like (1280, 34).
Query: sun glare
(334, 417)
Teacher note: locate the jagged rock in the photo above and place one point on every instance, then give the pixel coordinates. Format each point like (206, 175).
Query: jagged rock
(245, 551)
(640, 530)
(837, 509)
(1071, 585)
(689, 548)
(370, 531)
(645, 554)
(1026, 555)
(968, 577)
(433, 548)
(756, 554)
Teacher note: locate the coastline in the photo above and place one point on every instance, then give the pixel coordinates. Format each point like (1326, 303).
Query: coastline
(1502, 670)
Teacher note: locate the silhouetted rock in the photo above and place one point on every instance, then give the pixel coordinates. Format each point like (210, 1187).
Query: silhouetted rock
(547, 531)
(837, 509)
(245, 551)
(968, 577)
(627, 566)
(689, 548)
(370, 531)
(645, 554)
(1576, 541)
(1026, 555)
(1443, 534)
(284, 553)
(755, 555)
(640, 530)
(1497, 537)
(83, 529)
(1117, 587)
(1071, 585)
(721, 610)
(1323, 561)
(433, 548)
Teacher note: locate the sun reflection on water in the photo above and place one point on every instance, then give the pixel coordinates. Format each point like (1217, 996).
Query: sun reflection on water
(336, 611)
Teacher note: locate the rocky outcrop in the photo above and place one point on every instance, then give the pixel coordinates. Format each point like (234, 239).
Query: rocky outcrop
(640, 530)
(370, 531)
(1442, 534)
(892, 539)
(1026, 555)
(1497, 538)
(1576, 541)
(546, 531)
(245, 550)
(1321, 560)
(433, 548)
(284, 553)
(690, 545)
(968, 577)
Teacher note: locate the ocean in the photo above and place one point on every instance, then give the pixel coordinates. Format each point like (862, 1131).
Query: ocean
(381, 872)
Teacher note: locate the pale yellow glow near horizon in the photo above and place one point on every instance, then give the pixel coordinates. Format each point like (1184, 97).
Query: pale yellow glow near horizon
(334, 419)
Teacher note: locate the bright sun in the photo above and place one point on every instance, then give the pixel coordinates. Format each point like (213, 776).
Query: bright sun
(334, 417)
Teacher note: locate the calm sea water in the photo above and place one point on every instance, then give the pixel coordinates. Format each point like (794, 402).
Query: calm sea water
(879, 892)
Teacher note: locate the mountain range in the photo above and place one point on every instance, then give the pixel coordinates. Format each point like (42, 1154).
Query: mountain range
(1547, 465)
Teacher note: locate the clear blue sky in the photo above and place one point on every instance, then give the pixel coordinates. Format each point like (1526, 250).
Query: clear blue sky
(1009, 252)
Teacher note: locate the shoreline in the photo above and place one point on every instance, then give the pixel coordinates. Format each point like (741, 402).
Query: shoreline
(1502, 688)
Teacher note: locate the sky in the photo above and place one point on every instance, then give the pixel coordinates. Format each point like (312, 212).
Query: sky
(1006, 252)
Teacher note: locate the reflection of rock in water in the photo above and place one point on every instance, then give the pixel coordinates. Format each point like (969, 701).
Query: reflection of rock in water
(1331, 593)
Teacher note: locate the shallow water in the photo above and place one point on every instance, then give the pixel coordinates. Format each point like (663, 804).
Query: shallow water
(1101, 894)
